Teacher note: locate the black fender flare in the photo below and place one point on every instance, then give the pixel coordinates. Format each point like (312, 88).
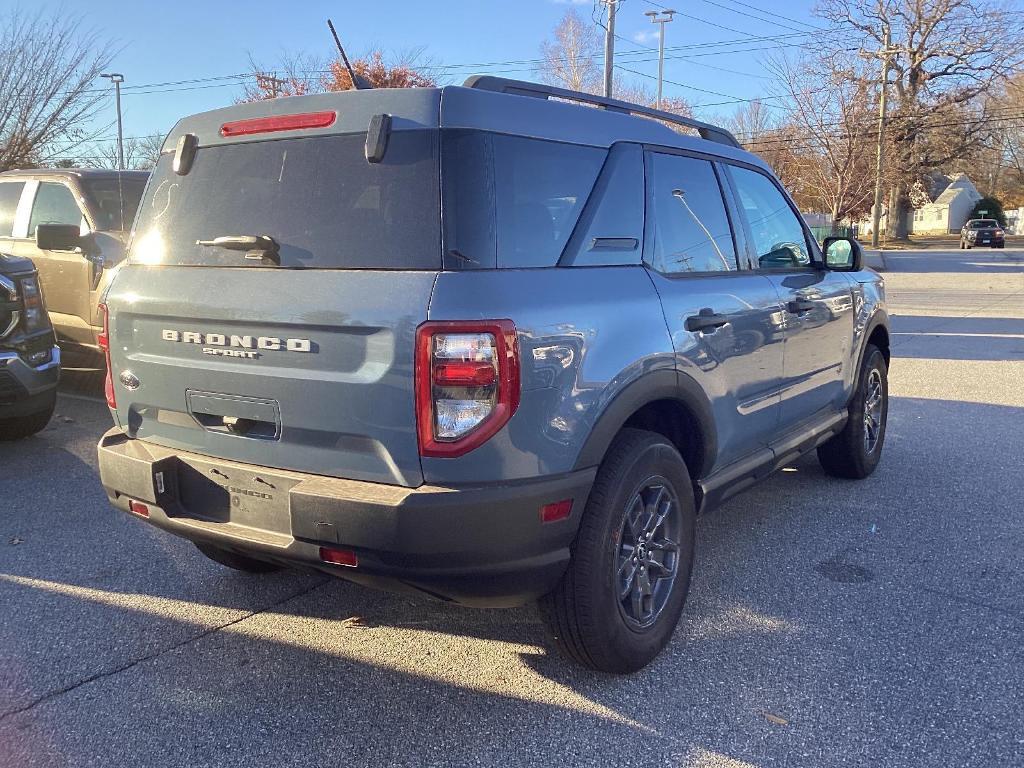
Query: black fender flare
(656, 385)
(879, 318)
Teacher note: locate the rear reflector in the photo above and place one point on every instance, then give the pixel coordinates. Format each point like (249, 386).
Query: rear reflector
(137, 508)
(103, 341)
(278, 123)
(560, 510)
(463, 374)
(339, 556)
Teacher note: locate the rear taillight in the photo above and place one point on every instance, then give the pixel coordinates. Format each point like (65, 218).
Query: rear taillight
(104, 341)
(467, 383)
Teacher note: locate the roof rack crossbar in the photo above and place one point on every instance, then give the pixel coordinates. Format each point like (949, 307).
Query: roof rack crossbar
(540, 91)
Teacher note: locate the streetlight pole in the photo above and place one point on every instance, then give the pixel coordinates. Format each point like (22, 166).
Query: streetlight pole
(662, 20)
(117, 78)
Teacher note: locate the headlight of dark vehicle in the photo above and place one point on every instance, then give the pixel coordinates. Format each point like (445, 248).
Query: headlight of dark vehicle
(35, 312)
(9, 307)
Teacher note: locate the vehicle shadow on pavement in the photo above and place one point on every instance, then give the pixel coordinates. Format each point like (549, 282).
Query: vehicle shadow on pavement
(828, 618)
(958, 338)
(976, 261)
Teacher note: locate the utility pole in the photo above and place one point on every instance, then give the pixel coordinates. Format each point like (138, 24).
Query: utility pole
(117, 78)
(275, 83)
(876, 212)
(662, 20)
(609, 46)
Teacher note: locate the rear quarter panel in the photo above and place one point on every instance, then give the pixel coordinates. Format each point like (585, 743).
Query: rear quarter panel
(584, 335)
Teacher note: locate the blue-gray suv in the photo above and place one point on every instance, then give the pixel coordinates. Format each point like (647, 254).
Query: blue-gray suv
(492, 343)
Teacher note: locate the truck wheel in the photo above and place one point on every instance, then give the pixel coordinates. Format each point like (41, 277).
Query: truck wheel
(620, 599)
(234, 560)
(25, 426)
(854, 453)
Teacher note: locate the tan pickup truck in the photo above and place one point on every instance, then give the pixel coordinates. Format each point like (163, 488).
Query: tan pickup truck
(74, 224)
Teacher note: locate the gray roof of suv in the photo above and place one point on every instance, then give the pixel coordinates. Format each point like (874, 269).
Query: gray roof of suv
(455, 107)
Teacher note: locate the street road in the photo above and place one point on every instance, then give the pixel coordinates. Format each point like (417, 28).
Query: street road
(875, 623)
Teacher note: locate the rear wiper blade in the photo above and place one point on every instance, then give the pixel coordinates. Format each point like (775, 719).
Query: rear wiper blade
(261, 247)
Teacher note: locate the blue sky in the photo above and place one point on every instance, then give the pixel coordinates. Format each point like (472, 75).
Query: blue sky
(170, 42)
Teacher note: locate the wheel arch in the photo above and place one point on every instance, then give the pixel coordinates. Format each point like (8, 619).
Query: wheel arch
(667, 402)
(877, 333)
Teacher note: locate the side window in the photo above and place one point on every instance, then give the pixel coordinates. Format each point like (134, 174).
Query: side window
(54, 204)
(776, 233)
(541, 189)
(511, 201)
(691, 228)
(10, 194)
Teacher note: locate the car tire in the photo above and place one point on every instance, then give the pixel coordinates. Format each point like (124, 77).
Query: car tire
(606, 613)
(855, 452)
(234, 560)
(26, 426)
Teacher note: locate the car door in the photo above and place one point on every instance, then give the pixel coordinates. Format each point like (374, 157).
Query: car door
(817, 303)
(724, 322)
(66, 276)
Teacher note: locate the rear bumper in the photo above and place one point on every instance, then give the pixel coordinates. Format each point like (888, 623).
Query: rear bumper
(25, 390)
(479, 545)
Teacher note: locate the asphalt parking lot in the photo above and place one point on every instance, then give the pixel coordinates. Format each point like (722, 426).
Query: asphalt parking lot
(830, 623)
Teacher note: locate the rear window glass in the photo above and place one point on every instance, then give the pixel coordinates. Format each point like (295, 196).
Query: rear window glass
(10, 194)
(512, 201)
(983, 224)
(114, 201)
(324, 204)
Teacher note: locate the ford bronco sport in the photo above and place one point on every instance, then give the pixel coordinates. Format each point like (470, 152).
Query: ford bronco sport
(479, 342)
(29, 359)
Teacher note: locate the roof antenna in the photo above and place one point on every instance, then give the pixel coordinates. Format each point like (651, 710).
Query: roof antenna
(358, 82)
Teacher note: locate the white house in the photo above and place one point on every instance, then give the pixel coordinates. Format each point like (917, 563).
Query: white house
(949, 211)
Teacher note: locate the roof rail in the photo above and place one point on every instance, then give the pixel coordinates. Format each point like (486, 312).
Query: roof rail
(539, 91)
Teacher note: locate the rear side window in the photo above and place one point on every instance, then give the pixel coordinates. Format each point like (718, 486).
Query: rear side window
(691, 228)
(318, 197)
(114, 201)
(54, 204)
(10, 194)
(776, 233)
(513, 201)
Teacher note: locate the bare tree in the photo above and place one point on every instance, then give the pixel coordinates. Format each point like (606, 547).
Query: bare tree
(949, 53)
(570, 60)
(829, 100)
(48, 84)
(1006, 156)
(141, 153)
(299, 74)
(751, 121)
(296, 74)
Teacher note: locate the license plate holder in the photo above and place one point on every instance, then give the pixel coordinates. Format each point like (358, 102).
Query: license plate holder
(236, 495)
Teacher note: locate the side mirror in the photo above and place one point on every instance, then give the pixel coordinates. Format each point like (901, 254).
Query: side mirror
(843, 254)
(58, 237)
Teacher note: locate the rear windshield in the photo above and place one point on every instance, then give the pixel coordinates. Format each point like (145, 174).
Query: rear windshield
(983, 223)
(114, 201)
(318, 198)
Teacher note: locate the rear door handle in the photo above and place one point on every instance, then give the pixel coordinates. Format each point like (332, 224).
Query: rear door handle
(799, 306)
(706, 319)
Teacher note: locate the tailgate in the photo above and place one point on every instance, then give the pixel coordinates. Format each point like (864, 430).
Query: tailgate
(308, 370)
